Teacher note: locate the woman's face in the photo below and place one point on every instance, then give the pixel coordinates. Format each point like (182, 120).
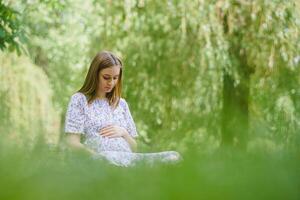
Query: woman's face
(108, 78)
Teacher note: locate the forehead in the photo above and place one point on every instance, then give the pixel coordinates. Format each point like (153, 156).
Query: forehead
(112, 71)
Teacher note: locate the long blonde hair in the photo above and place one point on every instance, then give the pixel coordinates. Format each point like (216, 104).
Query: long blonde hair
(102, 60)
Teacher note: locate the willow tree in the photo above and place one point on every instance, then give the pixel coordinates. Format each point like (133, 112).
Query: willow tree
(263, 37)
(26, 108)
(58, 41)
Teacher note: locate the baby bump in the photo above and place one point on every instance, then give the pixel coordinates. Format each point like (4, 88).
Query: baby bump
(100, 144)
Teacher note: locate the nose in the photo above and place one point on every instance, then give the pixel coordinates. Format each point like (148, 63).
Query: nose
(109, 82)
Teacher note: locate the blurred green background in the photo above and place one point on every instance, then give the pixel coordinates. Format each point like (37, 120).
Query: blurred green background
(217, 81)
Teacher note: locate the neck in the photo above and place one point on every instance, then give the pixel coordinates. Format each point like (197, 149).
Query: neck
(101, 95)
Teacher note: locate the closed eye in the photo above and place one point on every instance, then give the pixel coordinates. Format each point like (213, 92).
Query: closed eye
(107, 78)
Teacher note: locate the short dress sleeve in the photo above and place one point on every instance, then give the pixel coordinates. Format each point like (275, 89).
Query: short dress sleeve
(75, 117)
(131, 128)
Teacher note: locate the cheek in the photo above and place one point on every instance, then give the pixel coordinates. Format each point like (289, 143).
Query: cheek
(102, 82)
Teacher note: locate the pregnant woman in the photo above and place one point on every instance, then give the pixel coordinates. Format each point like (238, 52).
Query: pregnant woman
(98, 112)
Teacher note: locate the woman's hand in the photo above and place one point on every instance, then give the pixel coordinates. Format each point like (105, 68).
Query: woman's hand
(113, 131)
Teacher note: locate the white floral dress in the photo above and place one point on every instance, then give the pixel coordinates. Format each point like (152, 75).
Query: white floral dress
(88, 120)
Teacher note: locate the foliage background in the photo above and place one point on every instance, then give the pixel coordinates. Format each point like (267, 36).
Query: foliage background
(177, 56)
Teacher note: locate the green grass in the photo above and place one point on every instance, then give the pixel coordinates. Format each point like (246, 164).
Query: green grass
(52, 173)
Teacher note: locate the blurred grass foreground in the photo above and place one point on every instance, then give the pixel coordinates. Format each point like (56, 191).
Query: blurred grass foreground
(217, 81)
(47, 173)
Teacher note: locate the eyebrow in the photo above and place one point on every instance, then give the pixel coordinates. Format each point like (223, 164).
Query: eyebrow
(109, 75)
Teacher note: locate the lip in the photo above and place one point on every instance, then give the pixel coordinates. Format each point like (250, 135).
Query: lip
(108, 88)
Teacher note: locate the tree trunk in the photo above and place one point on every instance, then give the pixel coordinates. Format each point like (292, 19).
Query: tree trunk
(235, 112)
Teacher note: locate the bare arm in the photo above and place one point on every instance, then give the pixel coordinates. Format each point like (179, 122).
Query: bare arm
(73, 141)
(131, 141)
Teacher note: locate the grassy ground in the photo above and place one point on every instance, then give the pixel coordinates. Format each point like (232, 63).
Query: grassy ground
(50, 173)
